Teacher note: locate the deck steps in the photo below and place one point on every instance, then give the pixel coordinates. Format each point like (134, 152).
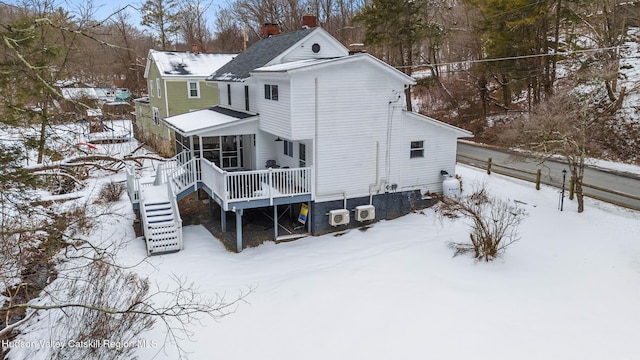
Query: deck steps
(161, 221)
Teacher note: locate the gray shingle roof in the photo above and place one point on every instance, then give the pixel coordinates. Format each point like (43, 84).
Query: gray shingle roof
(257, 56)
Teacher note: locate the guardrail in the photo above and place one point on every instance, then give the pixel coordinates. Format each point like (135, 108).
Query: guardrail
(249, 185)
(134, 185)
(535, 177)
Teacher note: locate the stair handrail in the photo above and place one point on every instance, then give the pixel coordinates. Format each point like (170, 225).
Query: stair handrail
(133, 184)
(176, 213)
(143, 215)
(187, 171)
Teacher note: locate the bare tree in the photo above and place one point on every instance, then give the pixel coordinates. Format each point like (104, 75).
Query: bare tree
(230, 34)
(494, 223)
(566, 125)
(161, 16)
(46, 261)
(193, 23)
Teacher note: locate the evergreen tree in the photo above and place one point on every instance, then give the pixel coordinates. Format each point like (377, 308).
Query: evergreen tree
(517, 31)
(400, 27)
(34, 56)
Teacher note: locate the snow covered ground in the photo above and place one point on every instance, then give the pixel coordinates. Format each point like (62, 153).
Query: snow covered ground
(569, 289)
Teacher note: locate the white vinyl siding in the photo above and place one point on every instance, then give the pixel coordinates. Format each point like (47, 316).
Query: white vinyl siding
(329, 48)
(439, 154)
(354, 116)
(275, 116)
(237, 95)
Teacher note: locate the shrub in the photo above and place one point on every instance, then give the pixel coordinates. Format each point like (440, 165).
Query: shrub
(494, 227)
(111, 192)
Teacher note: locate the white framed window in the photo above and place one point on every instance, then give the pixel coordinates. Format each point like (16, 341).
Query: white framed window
(156, 115)
(288, 148)
(229, 94)
(417, 149)
(271, 92)
(246, 98)
(151, 93)
(193, 87)
(158, 86)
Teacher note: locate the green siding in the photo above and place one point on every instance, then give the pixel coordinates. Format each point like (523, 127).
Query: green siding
(176, 96)
(179, 101)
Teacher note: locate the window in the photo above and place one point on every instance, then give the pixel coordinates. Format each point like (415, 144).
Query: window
(229, 94)
(288, 148)
(246, 98)
(302, 155)
(271, 92)
(417, 149)
(194, 89)
(156, 115)
(158, 86)
(151, 93)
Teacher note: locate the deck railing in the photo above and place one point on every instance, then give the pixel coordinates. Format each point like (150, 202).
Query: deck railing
(134, 185)
(237, 186)
(228, 186)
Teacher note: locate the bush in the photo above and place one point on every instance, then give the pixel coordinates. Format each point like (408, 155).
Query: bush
(494, 227)
(111, 192)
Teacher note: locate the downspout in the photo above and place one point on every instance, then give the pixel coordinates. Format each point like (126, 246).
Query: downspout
(166, 96)
(315, 140)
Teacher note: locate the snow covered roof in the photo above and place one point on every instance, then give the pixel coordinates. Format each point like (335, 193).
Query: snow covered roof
(212, 118)
(79, 93)
(459, 132)
(301, 65)
(181, 63)
(257, 56)
(293, 65)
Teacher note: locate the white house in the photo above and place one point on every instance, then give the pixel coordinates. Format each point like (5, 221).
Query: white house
(301, 121)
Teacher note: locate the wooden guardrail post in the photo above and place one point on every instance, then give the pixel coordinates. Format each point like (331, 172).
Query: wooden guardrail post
(489, 166)
(538, 177)
(572, 187)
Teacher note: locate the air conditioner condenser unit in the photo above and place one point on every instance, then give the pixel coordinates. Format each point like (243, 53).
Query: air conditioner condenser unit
(339, 217)
(365, 212)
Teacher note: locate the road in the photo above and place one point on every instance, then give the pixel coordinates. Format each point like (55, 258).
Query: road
(625, 186)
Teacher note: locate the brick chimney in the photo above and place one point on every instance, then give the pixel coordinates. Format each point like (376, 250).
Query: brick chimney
(309, 21)
(270, 29)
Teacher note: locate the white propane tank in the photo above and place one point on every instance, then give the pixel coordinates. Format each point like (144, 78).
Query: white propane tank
(451, 187)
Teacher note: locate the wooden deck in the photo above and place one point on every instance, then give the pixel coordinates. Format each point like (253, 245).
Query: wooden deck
(231, 189)
(255, 188)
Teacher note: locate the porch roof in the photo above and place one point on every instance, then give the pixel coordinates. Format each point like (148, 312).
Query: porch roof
(213, 118)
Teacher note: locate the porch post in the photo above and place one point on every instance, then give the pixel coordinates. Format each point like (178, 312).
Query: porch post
(223, 219)
(239, 229)
(275, 222)
(309, 217)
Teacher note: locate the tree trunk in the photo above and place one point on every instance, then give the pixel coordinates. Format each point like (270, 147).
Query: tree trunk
(43, 133)
(506, 91)
(579, 179)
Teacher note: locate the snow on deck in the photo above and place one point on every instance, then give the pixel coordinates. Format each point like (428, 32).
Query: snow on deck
(156, 193)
